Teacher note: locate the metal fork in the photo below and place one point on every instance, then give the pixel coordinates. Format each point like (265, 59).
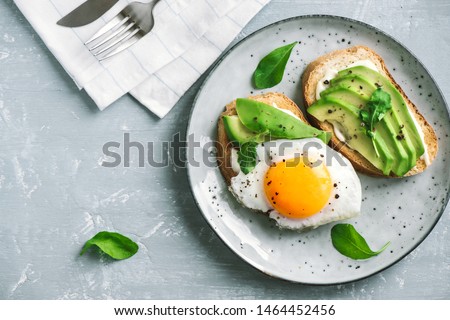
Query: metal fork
(124, 30)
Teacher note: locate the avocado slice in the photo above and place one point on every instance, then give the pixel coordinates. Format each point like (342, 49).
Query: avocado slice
(399, 107)
(357, 81)
(384, 154)
(348, 95)
(239, 133)
(263, 118)
(401, 163)
(335, 111)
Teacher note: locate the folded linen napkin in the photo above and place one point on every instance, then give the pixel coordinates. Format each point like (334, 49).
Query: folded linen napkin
(186, 39)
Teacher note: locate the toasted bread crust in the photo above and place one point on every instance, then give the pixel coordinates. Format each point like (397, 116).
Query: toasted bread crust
(224, 145)
(339, 59)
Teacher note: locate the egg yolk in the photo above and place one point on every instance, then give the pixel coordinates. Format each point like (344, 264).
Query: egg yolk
(297, 188)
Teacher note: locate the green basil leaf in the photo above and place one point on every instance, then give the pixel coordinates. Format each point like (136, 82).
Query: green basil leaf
(113, 244)
(375, 110)
(364, 115)
(270, 69)
(247, 156)
(351, 244)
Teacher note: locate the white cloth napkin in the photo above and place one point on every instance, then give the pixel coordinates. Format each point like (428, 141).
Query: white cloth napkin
(187, 38)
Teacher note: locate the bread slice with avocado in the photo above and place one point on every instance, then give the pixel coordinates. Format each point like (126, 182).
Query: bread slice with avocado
(338, 85)
(228, 121)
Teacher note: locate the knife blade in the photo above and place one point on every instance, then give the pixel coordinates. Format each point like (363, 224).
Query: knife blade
(86, 13)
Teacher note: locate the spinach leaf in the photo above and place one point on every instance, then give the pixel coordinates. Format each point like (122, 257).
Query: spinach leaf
(270, 69)
(375, 110)
(113, 244)
(247, 156)
(351, 244)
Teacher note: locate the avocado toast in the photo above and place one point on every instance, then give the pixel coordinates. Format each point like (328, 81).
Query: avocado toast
(276, 163)
(337, 86)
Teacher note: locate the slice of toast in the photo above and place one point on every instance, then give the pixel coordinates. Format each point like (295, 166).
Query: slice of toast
(224, 145)
(338, 60)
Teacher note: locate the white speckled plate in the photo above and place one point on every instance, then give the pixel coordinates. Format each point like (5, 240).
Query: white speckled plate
(402, 211)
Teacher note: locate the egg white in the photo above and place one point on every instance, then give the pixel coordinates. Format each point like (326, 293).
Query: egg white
(345, 198)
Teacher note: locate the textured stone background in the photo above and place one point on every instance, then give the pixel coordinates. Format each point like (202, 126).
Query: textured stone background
(54, 194)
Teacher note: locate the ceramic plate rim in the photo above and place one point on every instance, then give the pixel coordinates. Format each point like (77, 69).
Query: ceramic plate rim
(211, 71)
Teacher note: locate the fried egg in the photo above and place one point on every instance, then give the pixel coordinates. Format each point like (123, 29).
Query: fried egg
(299, 183)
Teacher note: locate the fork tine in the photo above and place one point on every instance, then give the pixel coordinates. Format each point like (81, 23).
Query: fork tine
(122, 39)
(124, 30)
(121, 48)
(110, 26)
(116, 34)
